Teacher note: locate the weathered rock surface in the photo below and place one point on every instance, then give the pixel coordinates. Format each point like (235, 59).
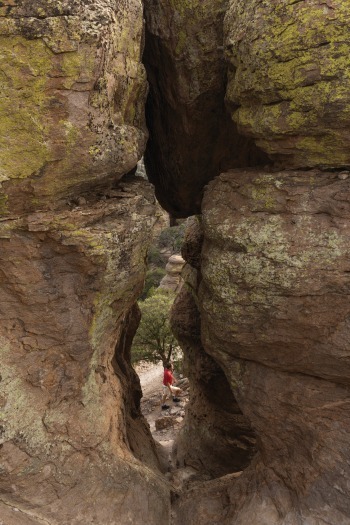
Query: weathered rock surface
(275, 262)
(192, 137)
(173, 280)
(265, 314)
(72, 98)
(68, 281)
(216, 438)
(289, 80)
(73, 243)
(274, 303)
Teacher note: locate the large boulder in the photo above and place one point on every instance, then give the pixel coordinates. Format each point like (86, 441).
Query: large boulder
(274, 304)
(71, 430)
(289, 80)
(73, 242)
(173, 281)
(72, 98)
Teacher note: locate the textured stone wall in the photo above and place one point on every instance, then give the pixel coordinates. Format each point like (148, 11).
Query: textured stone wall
(274, 304)
(73, 92)
(267, 326)
(289, 79)
(74, 447)
(273, 287)
(68, 281)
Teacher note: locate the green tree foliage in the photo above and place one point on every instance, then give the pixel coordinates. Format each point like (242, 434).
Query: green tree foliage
(172, 238)
(154, 339)
(152, 281)
(154, 257)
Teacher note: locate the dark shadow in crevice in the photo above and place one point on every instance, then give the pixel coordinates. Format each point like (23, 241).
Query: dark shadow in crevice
(217, 439)
(190, 143)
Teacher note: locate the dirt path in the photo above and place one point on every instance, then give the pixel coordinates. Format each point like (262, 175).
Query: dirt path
(151, 378)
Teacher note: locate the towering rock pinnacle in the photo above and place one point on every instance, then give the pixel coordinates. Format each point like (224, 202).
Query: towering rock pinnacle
(73, 243)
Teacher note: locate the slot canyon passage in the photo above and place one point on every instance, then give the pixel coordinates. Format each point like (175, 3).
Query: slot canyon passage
(241, 109)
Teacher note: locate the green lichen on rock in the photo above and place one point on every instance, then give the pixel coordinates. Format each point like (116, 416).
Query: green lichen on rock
(292, 92)
(273, 241)
(65, 98)
(20, 417)
(24, 69)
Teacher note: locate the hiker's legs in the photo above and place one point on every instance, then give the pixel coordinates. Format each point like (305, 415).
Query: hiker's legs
(165, 394)
(175, 390)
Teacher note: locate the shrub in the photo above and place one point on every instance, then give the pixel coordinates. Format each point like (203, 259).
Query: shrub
(154, 340)
(152, 280)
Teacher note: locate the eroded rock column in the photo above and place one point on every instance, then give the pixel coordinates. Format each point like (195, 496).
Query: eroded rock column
(274, 302)
(274, 293)
(73, 242)
(216, 438)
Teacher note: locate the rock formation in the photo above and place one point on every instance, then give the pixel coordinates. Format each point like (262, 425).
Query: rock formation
(73, 92)
(74, 447)
(172, 280)
(216, 438)
(273, 298)
(255, 94)
(288, 84)
(271, 288)
(192, 138)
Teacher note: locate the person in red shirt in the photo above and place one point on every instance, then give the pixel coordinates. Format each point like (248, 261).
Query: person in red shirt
(168, 386)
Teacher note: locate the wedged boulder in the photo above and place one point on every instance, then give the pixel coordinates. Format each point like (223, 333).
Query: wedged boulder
(73, 93)
(274, 304)
(192, 137)
(289, 80)
(69, 451)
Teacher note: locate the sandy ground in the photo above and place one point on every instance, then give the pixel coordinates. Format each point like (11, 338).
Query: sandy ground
(151, 378)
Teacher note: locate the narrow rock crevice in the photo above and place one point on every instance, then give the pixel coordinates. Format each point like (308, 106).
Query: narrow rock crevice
(192, 137)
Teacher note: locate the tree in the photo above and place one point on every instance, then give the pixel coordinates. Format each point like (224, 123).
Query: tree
(152, 281)
(154, 339)
(172, 238)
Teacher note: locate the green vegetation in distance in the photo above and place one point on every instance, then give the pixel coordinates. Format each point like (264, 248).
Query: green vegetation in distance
(154, 340)
(172, 238)
(152, 281)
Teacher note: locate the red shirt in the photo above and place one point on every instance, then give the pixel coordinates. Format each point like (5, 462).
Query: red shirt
(168, 377)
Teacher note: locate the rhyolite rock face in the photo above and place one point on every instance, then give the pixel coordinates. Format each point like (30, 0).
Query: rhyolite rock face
(274, 305)
(74, 446)
(70, 418)
(264, 314)
(289, 79)
(216, 438)
(192, 137)
(72, 104)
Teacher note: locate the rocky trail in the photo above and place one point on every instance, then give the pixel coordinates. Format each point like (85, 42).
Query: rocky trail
(164, 424)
